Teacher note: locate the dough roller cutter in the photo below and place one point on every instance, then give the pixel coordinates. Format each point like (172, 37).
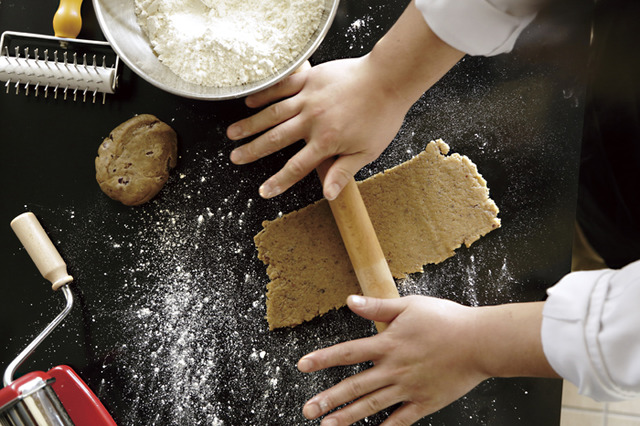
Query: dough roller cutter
(61, 65)
(59, 396)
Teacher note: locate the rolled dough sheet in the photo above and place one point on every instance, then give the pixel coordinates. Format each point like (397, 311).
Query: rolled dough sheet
(422, 210)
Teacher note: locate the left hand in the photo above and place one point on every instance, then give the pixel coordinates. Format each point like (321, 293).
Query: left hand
(340, 108)
(425, 359)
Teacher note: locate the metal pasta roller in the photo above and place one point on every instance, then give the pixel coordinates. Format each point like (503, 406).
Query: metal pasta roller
(59, 396)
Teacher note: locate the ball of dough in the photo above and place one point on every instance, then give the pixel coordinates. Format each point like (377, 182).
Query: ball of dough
(134, 161)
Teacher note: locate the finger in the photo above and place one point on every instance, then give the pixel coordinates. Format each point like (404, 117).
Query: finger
(346, 353)
(340, 173)
(350, 389)
(407, 414)
(372, 308)
(274, 140)
(286, 87)
(297, 167)
(366, 406)
(263, 120)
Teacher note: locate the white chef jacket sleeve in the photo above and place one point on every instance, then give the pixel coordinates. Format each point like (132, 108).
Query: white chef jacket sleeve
(591, 332)
(479, 27)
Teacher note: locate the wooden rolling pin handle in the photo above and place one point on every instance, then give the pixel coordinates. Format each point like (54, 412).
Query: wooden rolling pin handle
(359, 237)
(42, 251)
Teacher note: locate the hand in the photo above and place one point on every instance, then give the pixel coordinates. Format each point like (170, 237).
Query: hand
(350, 108)
(425, 359)
(340, 108)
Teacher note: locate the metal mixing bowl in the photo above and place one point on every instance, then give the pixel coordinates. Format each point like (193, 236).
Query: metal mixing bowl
(118, 22)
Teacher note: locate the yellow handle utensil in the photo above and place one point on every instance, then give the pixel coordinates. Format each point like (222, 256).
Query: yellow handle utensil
(67, 21)
(61, 65)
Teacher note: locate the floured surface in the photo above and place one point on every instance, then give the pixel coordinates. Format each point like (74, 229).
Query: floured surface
(422, 210)
(143, 337)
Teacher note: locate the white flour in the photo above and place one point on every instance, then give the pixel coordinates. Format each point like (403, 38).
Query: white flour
(228, 42)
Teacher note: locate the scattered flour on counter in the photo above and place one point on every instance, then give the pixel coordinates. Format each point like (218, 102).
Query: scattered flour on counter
(182, 338)
(358, 31)
(228, 42)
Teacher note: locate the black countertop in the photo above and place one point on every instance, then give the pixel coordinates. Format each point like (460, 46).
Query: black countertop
(168, 326)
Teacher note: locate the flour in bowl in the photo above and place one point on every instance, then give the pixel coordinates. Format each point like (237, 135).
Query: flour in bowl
(228, 42)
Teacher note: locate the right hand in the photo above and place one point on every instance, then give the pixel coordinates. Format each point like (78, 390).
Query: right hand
(426, 359)
(432, 352)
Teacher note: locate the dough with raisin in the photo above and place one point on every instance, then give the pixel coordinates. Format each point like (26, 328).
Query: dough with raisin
(134, 161)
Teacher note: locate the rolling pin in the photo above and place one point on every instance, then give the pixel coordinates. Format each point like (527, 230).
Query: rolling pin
(361, 242)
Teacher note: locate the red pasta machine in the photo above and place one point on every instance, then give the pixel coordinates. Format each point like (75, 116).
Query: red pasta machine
(58, 396)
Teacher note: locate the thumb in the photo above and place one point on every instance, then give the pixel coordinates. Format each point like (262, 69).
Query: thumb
(374, 309)
(340, 173)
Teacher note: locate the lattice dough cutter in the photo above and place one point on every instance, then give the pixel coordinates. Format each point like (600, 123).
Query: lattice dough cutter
(60, 64)
(59, 396)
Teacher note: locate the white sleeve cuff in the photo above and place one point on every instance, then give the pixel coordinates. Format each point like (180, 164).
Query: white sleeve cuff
(476, 27)
(591, 332)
